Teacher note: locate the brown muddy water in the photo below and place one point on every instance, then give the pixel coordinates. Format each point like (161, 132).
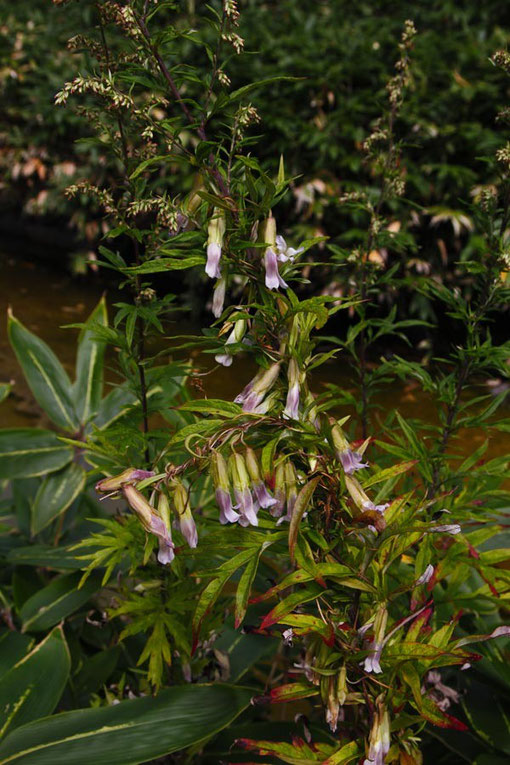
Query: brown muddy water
(46, 300)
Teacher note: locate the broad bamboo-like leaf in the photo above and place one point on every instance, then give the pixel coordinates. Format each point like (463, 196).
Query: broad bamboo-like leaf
(56, 601)
(13, 647)
(44, 374)
(55, 494)
(48, 556)
(87, 390)
(128, 733)
(26, 452)
(33, 687)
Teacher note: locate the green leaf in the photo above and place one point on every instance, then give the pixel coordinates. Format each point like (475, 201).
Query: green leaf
(212, 406)
(303, 500)
(88, 386)
(55, 494)
(13, 646)
(5, 389)
(45, 375)
(33, 687)
(244, 588)
(46, 556)
(56, 601)
(288, 604)
(26, 452)
(394, 470)
(128, 733)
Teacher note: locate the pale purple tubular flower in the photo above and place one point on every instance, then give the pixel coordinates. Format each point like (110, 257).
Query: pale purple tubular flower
(166, 546)
(273, 278)
(291, 410)
(279, 491)
(254, 393)
(216, 232)
(452, 528)
(441, 694)
(426, 576)
(287, 636)
(227, 512)
(285, 252)
(186, 521)
(376, 508)
(212, 267)
(219, 297)
(351, 461)
(235, 336)
(151, 522)
(372, 662)
(130, 475)
(243, 496)
(380, 738)
(246, 507)
(262, 496)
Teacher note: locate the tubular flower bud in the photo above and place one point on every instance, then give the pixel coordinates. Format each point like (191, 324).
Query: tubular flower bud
(290, 490)
(216, 232)
(273, 278)
(222, 486)
(130, 475)
(235, 336)
(372, 662)
(242, 492)
(291, 410)
(262, 495)
(219, 297)
(166, 547)
(186, 522)
(380, 739)
(254, 393)
(151, 521)
(340, 443)
(279, 491)
(341, 687)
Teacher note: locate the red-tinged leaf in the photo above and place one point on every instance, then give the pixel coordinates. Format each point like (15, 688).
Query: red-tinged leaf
(288, 692)
(346, 754)
(288, 604)
(244, 588)
(296, 753)
(296, 577)
(303, 500)
(303, 624)
(205, 603)
(425, 706)
(502, 631)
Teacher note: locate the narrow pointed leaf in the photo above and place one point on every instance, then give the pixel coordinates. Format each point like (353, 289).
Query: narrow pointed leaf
(132, 732)
(26, 452)
(45, 375)
(33, 687)
(87, 390)
(303, 500)
(55, 494)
